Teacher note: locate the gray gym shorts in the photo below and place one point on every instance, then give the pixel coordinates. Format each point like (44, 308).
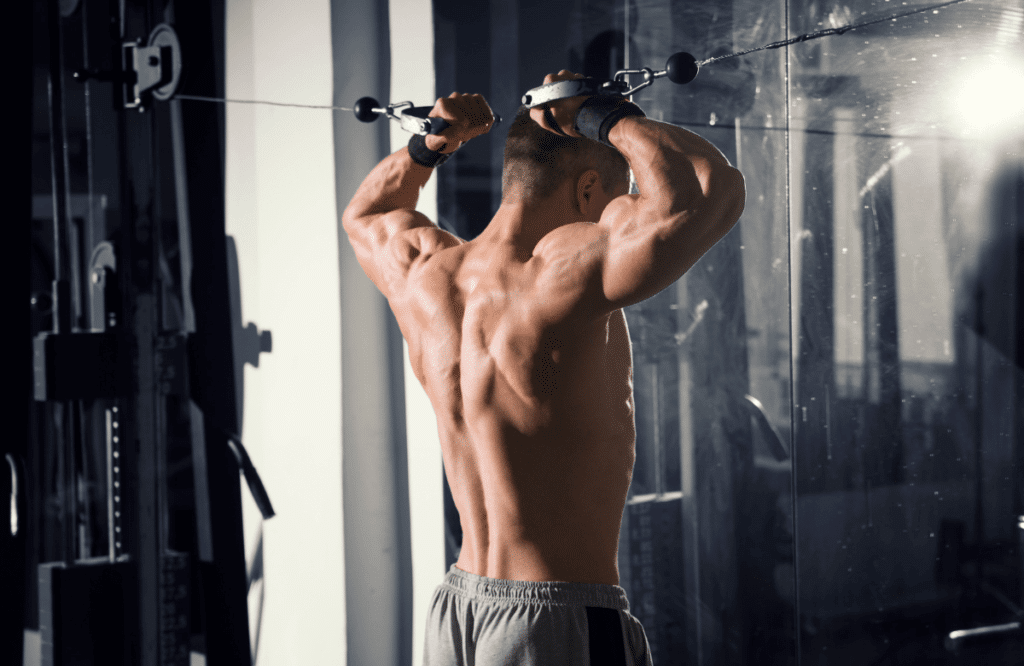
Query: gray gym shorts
(479, 621)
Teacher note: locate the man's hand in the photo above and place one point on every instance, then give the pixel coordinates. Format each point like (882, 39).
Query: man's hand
(563, 110)
(469, 117)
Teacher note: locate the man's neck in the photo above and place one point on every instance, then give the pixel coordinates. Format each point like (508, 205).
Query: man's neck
(523, 225)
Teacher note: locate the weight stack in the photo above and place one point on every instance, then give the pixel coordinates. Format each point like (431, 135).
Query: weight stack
(175, 609)
(87, 613)
(656, 566)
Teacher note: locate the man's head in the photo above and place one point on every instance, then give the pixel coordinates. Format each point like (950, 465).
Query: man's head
(539, 162)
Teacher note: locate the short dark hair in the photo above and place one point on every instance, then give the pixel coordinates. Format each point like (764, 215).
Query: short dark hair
(537, 161)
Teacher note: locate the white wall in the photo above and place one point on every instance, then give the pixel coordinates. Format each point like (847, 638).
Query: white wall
(282, 214)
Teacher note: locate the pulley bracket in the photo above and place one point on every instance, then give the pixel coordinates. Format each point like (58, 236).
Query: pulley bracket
(154, 68)
(150, 70)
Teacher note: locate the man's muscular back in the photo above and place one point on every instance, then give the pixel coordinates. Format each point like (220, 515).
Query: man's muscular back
(532, 389)
(518, 336)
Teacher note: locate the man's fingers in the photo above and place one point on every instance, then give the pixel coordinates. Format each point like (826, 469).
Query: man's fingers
(468, 111)
(563, 75)
(539, 117)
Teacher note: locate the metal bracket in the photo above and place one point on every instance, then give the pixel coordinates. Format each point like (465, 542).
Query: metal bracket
(154, 68)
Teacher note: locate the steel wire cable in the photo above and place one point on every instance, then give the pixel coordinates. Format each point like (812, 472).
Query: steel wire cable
(707, 61)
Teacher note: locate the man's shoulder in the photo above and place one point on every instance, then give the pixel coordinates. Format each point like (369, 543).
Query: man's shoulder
(577, 239)
(432, 239)
(570, 261)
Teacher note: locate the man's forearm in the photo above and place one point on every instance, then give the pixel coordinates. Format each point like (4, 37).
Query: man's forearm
(393, 184)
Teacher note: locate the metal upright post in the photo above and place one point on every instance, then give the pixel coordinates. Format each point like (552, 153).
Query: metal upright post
(61, 256)
(16, 366)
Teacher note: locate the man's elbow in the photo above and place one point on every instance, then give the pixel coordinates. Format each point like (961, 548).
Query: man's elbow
(736, 195)
(351, 218)
(728, 198)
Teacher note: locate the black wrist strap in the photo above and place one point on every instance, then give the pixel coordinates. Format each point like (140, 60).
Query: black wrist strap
(598, 115)
(424, 156)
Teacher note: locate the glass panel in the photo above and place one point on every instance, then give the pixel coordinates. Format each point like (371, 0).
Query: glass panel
(827, 403)
(707, 548)
(905, 202)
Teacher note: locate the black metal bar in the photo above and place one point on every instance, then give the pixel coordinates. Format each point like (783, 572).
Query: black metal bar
(211, 371)
(979, 440)
(61, 259)
(140, 416)
(59, 170)
(16, 366)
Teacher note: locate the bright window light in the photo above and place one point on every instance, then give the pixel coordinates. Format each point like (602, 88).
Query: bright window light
(988, 100)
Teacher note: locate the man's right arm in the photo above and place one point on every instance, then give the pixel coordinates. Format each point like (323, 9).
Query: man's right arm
(689, 198)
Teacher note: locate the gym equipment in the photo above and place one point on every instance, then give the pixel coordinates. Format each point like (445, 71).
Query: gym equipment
(150, 71)
(412, 118)
(682, 67)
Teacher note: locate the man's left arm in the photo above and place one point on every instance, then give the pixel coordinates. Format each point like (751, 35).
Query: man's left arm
(383, 208)
(394, 184)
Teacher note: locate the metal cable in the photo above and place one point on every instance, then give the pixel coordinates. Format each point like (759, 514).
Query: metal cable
(701, 63)
(831, 31)
(222, 100)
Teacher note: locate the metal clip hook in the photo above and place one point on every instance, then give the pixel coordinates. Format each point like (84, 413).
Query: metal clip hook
(649, 76)
(414, 118)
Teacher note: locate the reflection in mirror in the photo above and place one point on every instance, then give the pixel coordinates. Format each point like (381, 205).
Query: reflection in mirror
(906, 227)
(870, 303)
(828, 418)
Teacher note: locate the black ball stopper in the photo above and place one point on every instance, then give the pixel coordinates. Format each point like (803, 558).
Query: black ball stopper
(681, 67)
(364, 109)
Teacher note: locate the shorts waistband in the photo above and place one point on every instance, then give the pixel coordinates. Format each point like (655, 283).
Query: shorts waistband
(557, 593)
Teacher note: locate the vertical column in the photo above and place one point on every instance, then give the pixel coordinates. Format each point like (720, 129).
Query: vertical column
(375, 501)
(16, 187)
(814, 364)
(139, 424)
(412, 78)
(881, 332)
(848, 253)
(211, 373)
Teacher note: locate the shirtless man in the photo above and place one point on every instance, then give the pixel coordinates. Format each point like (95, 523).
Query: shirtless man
(519, 339)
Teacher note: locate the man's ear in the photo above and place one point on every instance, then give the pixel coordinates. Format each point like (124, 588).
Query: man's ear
(586, 187)
(586, 183)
